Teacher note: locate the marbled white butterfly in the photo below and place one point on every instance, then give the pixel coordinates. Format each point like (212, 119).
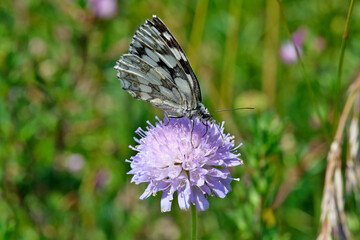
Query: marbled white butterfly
(156, 70)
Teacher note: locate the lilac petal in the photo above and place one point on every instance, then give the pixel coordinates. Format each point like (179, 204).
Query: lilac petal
(184, 194)
(218, 173)
(140, 178)
(197, 176)
(148, 191)
(164, 186)
(174, 171)
(206, 189)
(226, 184)
(233, 162)
(166, 201)
(218, 188)
(199, 199)
(184, 199)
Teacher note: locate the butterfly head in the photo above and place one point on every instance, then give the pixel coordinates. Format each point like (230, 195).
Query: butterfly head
(203, 112)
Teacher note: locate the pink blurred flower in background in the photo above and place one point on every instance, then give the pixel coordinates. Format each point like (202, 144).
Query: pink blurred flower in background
(319, 44)
(75, 162)
(102, 179)
(103, 8)
(287, 50)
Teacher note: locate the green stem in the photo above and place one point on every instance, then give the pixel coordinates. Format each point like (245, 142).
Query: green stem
(341, 60)
(193, 222)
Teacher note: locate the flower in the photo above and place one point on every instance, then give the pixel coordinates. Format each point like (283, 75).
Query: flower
(102, 179)
(170, 157)
(287, 50)
(319, 44)
(75, 162)
(103, 8)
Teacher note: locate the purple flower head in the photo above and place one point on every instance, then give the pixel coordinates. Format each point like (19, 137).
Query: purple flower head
(172, 159)
(287, 50)
(103, 8)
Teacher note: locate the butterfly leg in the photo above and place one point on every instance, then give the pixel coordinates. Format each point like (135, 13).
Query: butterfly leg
(191, 132)
(169, 117)
(207, 128)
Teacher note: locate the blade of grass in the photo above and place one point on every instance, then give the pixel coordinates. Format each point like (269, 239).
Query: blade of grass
(270, 60)
(231, 47)
(197, 31)
(341, 61)
(307, 81)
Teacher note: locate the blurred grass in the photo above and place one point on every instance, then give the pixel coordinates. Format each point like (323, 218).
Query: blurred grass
(60, 100)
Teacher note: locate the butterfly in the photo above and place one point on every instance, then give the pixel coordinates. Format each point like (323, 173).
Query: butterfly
(156, 70)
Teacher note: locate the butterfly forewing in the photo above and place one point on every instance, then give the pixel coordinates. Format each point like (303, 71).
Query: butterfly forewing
(179, 54)
(156, 70)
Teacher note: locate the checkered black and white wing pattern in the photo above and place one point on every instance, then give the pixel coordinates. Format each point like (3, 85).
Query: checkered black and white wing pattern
(156, 70)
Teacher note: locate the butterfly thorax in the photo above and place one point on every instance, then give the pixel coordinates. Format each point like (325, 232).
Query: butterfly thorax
(200, 111)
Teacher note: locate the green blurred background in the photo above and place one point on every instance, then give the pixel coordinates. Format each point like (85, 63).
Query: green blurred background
(66, 124)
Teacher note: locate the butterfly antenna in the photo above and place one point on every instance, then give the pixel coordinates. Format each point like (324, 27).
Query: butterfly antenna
(233, 109)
